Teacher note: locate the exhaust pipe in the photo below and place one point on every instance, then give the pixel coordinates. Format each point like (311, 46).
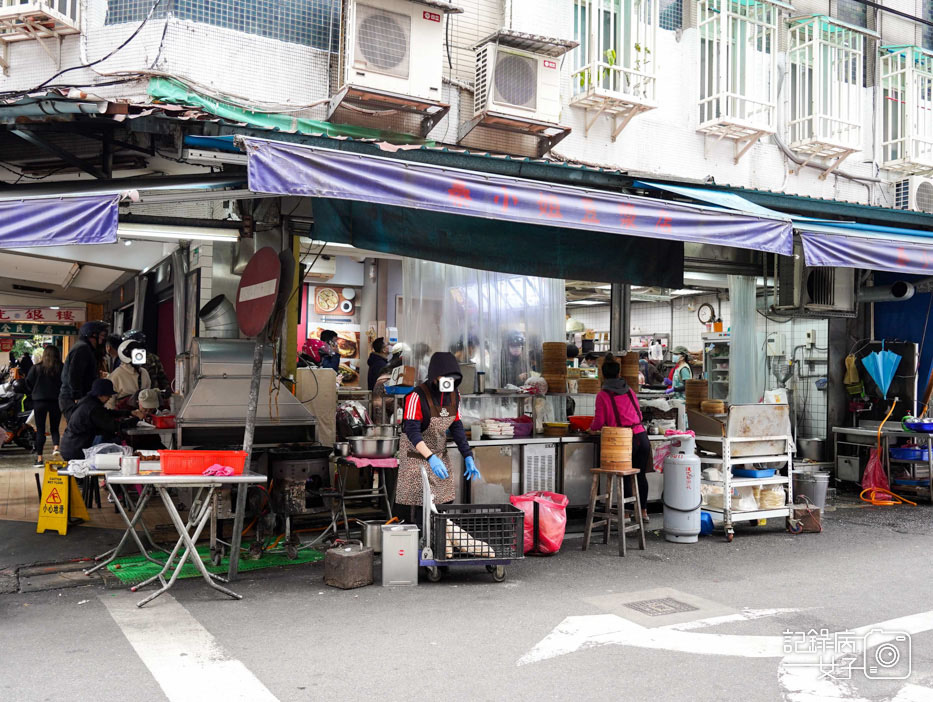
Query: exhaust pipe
(219, 318)
(898, 292)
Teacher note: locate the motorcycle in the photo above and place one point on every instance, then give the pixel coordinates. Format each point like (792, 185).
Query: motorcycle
(15, 408)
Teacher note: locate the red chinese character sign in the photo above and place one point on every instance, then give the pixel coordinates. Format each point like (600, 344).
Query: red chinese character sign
(258, 290)
(42, 314)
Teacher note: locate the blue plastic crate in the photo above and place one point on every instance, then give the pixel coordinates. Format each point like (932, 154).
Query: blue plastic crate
(398, 389)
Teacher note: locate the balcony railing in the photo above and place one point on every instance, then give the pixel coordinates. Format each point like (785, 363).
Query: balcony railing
(22, 21)
(907, 109)
(825, 86)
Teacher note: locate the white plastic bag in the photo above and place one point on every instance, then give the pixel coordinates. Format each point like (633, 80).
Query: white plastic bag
(743, 499)
(31, 420)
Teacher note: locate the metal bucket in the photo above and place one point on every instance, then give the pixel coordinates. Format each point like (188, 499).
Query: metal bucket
(813, 486)
(371, 535)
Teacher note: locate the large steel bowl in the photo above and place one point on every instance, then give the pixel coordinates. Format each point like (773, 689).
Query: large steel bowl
(373, 447)
(380, 431)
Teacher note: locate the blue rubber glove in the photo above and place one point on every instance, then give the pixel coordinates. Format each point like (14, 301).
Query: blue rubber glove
(438, 467)
(667, 382)
(471, 472)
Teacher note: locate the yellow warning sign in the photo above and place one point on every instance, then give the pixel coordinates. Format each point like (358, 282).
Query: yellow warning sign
(54, 504)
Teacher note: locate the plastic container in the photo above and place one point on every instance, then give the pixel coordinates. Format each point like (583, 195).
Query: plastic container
(813, 485)
(909, 453)
(163, 421)
(196, 462)
(580, 422)
(753, 473)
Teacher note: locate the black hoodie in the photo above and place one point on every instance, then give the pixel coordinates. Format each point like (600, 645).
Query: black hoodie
(442, 364)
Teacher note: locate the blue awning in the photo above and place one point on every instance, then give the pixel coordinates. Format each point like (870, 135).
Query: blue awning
(281, 168)
(58, 221)
(831, 243)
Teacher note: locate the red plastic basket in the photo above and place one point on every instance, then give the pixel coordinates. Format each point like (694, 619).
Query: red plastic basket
(196, 462)
(580, 422)
(163, 421)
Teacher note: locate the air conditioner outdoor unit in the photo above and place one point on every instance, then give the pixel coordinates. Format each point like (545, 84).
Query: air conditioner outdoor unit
(914, 193)
(810, 291)
(395, 46)
(517, 83)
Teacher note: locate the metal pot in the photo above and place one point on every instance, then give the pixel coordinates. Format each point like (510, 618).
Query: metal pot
(342, 448)
(371, 447)
(811, 449)
(371, 533)
(380, 431)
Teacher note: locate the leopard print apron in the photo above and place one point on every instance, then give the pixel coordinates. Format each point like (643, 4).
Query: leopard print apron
(408, 490)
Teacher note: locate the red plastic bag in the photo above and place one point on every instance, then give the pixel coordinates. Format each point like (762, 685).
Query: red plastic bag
(551, 519)
(874, 475)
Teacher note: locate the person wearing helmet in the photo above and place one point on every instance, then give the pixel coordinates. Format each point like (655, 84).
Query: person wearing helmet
(154, 366)
(514, 361)
(130, 377)
(432, 410)
(80, 369)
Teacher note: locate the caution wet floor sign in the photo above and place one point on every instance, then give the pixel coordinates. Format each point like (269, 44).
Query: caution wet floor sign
(54, 504)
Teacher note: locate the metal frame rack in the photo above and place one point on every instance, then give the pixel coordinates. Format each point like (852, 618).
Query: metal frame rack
(725, 463)
(718, 378)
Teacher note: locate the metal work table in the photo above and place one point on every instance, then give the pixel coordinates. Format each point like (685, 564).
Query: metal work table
(202, 510)
(870, 436)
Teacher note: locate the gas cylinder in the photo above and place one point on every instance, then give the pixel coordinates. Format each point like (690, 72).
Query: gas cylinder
(682, 491)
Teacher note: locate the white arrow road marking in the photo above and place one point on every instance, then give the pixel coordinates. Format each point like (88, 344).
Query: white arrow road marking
(183, 657)
(744, 615)
(801, 683)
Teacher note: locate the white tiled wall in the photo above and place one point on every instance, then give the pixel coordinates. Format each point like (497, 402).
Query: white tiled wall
(656, 318)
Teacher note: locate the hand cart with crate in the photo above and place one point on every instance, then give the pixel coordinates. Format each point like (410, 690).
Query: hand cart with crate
(469, 535)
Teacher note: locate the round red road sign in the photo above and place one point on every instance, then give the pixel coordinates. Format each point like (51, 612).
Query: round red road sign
(259, 287)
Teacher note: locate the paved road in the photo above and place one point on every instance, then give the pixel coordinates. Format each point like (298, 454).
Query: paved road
(293, 639)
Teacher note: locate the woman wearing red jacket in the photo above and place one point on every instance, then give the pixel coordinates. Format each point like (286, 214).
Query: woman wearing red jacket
(617, 406)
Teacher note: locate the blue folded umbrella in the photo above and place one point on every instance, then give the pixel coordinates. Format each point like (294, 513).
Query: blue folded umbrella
(882, 366)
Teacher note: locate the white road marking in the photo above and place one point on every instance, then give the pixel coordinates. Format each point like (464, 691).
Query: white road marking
(799, 683)
(744, 615)
(183, 657)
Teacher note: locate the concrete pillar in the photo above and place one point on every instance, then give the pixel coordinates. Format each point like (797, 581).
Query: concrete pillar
(620, 317)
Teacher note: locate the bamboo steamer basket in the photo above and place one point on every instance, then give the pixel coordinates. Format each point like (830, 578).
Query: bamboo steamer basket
(630, 369)
(713, 407)
(588, 386)
(554, 365)
(695, 393)
(615, 448)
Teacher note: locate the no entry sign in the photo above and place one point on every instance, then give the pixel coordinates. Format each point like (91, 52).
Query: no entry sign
(259, 287)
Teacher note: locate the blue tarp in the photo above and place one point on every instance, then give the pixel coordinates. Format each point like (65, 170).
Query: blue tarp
(58, 221)
(831, 243)
(288, 169)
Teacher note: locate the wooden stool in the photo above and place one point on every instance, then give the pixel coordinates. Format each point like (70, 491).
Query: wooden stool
(617, 480)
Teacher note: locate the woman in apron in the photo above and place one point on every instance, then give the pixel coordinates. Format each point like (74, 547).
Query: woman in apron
(617, 406)
(431, 411)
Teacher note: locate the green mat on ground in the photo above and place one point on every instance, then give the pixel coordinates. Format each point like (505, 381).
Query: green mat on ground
(131, 570)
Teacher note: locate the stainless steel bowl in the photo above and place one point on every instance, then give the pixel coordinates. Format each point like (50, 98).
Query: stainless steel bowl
(372, 447)
(342, 448)
(380, 431)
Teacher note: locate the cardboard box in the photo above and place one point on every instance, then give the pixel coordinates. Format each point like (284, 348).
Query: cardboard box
(403, 375)
(810, 519)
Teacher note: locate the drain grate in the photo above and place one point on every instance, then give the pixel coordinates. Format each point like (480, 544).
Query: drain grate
(661, 607)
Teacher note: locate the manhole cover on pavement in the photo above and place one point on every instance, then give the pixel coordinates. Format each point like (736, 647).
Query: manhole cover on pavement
(658, 608)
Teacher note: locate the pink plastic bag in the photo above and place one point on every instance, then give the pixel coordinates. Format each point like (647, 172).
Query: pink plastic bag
(874, 476)
(552, 519)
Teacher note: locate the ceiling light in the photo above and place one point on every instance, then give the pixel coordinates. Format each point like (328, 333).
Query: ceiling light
(170, 233)
(586, 302)
(54, 307)
(71, 275)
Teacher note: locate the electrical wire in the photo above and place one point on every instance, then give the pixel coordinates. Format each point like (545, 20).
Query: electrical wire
(96, 62)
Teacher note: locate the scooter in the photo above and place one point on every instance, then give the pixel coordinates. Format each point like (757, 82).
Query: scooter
(15, 408)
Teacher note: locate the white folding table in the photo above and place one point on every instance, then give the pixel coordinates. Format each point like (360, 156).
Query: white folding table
(198, 517)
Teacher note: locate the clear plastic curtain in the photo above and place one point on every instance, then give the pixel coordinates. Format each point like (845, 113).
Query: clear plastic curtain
(496, 320)
(744, 366)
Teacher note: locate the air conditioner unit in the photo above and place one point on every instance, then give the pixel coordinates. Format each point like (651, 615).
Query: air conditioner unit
(324, 268)
(395, 46)
(517, 83)
(810, 291)
(914, 193)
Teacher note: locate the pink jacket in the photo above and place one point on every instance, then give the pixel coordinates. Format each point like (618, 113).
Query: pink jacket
(628, 412)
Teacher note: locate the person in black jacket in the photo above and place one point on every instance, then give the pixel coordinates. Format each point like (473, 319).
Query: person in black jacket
(88, 420)
(25, 365)
(44, 384)
(378, 359)
(81, 366)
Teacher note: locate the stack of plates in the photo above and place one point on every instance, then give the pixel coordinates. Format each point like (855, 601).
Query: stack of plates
(498, 430)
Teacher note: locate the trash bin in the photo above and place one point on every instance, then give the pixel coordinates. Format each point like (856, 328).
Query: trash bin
(813, 486)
